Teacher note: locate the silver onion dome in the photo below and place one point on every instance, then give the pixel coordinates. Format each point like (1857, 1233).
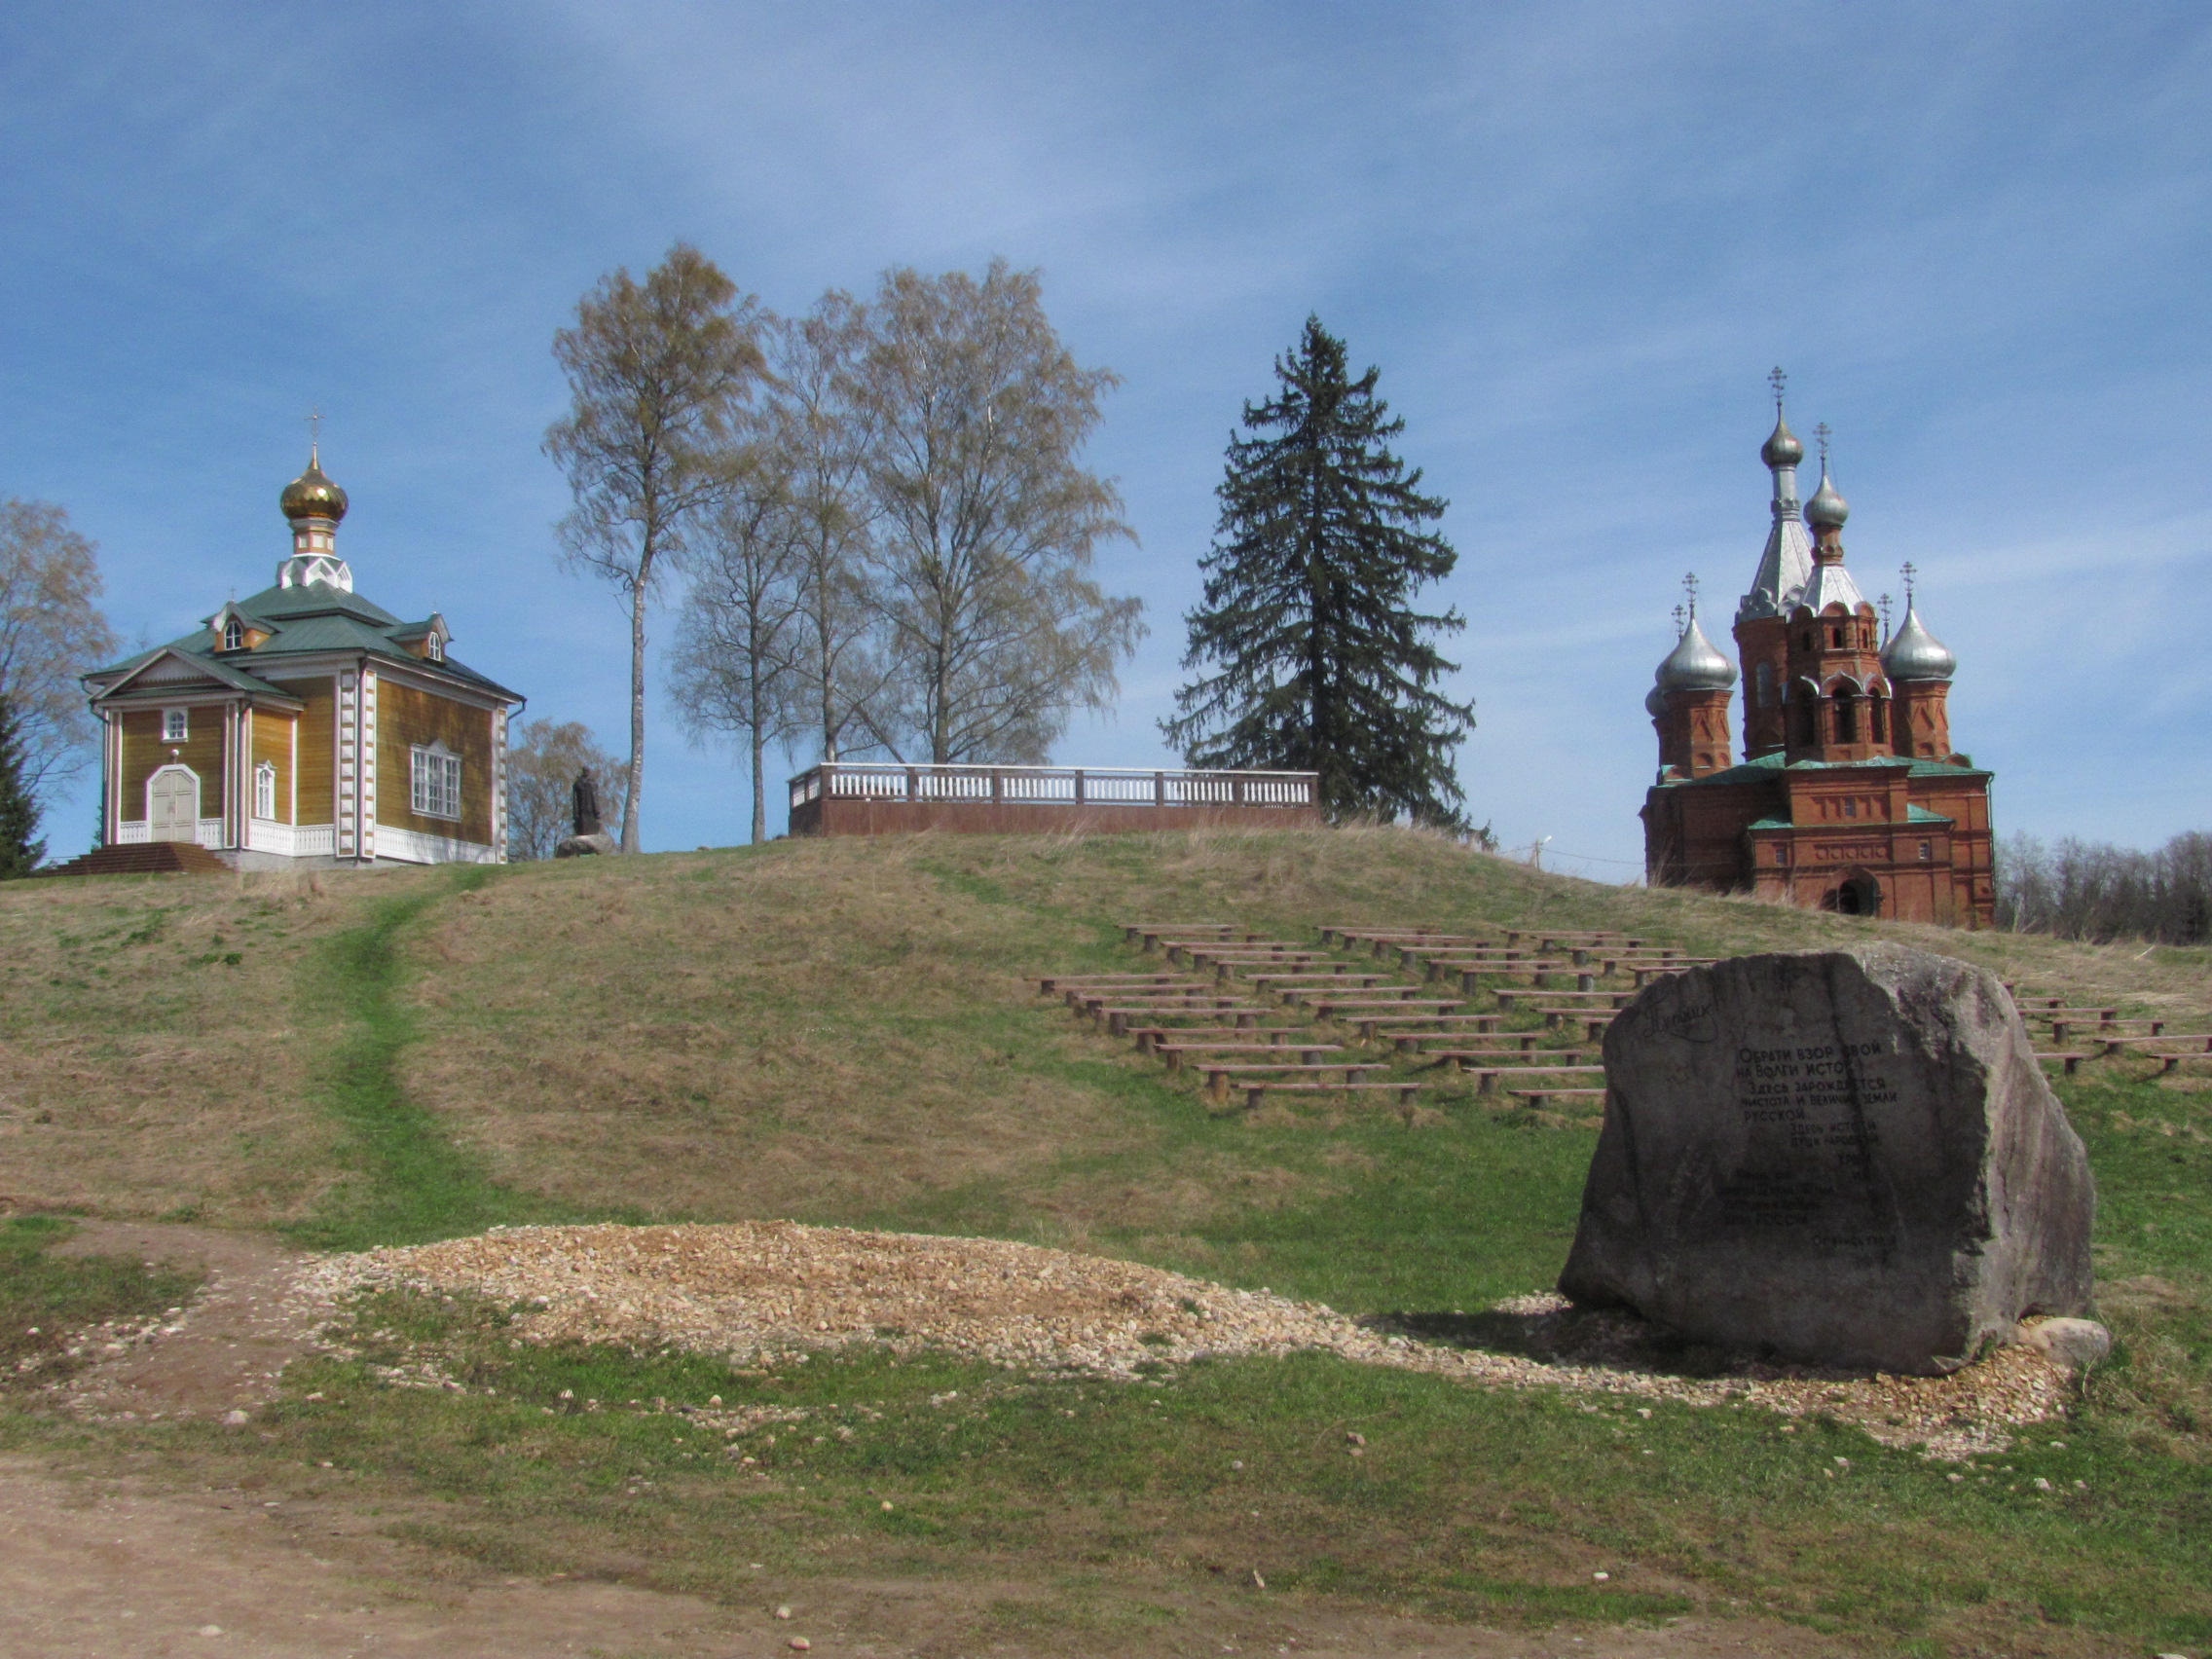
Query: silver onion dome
(1914, 653)
(1827, 507)
(1782, 448)
(1694, 665)
(1655, 703)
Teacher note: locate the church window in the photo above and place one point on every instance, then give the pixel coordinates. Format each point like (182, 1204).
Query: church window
(176, 725)
(234, 635)
(1927, 852)
(1763, 681)
(436, 791)
(434, 648)
(1851, 807)
(265, 790)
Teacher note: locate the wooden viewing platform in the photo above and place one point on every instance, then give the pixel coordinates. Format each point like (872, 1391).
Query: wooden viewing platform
(886, 799)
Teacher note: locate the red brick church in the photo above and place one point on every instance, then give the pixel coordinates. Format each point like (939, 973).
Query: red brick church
(1850, 796)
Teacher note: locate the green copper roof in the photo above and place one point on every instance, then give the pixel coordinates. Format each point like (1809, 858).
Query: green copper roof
(1767, 767)
(301, 621)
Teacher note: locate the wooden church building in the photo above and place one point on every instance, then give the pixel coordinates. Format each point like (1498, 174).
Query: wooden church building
(305, 725)
(1850, 796)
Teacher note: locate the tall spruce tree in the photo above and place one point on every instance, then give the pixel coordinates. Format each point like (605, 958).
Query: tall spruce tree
(20, 853)
(1318, 661)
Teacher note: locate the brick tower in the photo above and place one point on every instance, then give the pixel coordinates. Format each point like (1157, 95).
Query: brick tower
(1848, 797)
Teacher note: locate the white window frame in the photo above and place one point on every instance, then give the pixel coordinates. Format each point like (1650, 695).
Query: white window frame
(176, 725)
(234, 635)
(434, 782)
(265, 790)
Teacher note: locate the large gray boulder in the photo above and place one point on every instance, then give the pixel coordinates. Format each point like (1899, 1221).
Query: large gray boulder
(1846, 1157)
(597, 844)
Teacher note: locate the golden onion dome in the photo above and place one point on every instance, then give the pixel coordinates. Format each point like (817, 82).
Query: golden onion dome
(311, 495)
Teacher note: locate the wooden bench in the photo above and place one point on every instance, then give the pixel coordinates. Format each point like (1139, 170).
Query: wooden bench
(1186, 951)
(1047, 984)
(1218, 1077)
(1525, 1060)
(1343, 977)
(1538, 1098)
(1527, 1050)
(2061, 1029)
(1486, 1077)
(1336, 1007)
(1147, 1036)
(1256, 1093)
(2121, 1045)
(1382, 994)
(1525, 1042)
(2168, 1064)
(1508, 995)
(1174, 1053)
(1116, 1020)
(1374, 1026)
(2073, 1062)
(1082, 996)
(1593, 1024)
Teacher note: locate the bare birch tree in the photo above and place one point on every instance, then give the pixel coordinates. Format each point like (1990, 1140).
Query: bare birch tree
(986, 520)
(733, 655)
(823, 439)
(657, 373)
(50, 632)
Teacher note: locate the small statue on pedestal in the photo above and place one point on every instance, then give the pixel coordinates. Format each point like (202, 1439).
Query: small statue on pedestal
(588, 837)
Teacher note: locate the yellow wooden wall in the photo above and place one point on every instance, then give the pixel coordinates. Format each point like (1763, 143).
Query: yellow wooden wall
(144, 753)
(407, 716)
(318, 747)
(273, 743)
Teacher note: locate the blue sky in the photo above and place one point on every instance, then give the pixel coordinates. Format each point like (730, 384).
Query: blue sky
(1574, 236)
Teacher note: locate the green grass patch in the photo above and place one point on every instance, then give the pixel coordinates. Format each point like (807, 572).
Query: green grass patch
(1492, 1506)
(406, 1181)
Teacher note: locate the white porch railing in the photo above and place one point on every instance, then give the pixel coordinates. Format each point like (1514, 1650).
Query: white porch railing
(1050, 786)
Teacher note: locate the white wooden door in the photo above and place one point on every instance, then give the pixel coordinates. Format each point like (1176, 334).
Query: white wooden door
(173, 804)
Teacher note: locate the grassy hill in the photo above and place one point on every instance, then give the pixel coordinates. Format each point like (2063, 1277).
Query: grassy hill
(842, 1032)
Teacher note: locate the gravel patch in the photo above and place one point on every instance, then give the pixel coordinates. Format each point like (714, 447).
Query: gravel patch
(759, 1293)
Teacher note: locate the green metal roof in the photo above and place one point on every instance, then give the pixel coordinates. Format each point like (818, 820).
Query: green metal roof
(1766, 767)
(302, 621)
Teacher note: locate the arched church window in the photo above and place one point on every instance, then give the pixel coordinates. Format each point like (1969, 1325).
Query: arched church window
(1846, 717)
(234, 636)
(1763, 683)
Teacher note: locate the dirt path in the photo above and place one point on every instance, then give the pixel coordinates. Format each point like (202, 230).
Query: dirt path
(224, 1353)
(101, 1568)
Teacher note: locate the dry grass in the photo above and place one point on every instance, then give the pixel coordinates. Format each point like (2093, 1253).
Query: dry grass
(157, 1044)
(723, 1037)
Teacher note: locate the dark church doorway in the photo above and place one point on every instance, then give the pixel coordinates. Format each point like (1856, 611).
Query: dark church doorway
(1860, 896)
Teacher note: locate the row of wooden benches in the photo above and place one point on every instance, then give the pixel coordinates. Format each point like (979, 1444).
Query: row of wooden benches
(1317, 983)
